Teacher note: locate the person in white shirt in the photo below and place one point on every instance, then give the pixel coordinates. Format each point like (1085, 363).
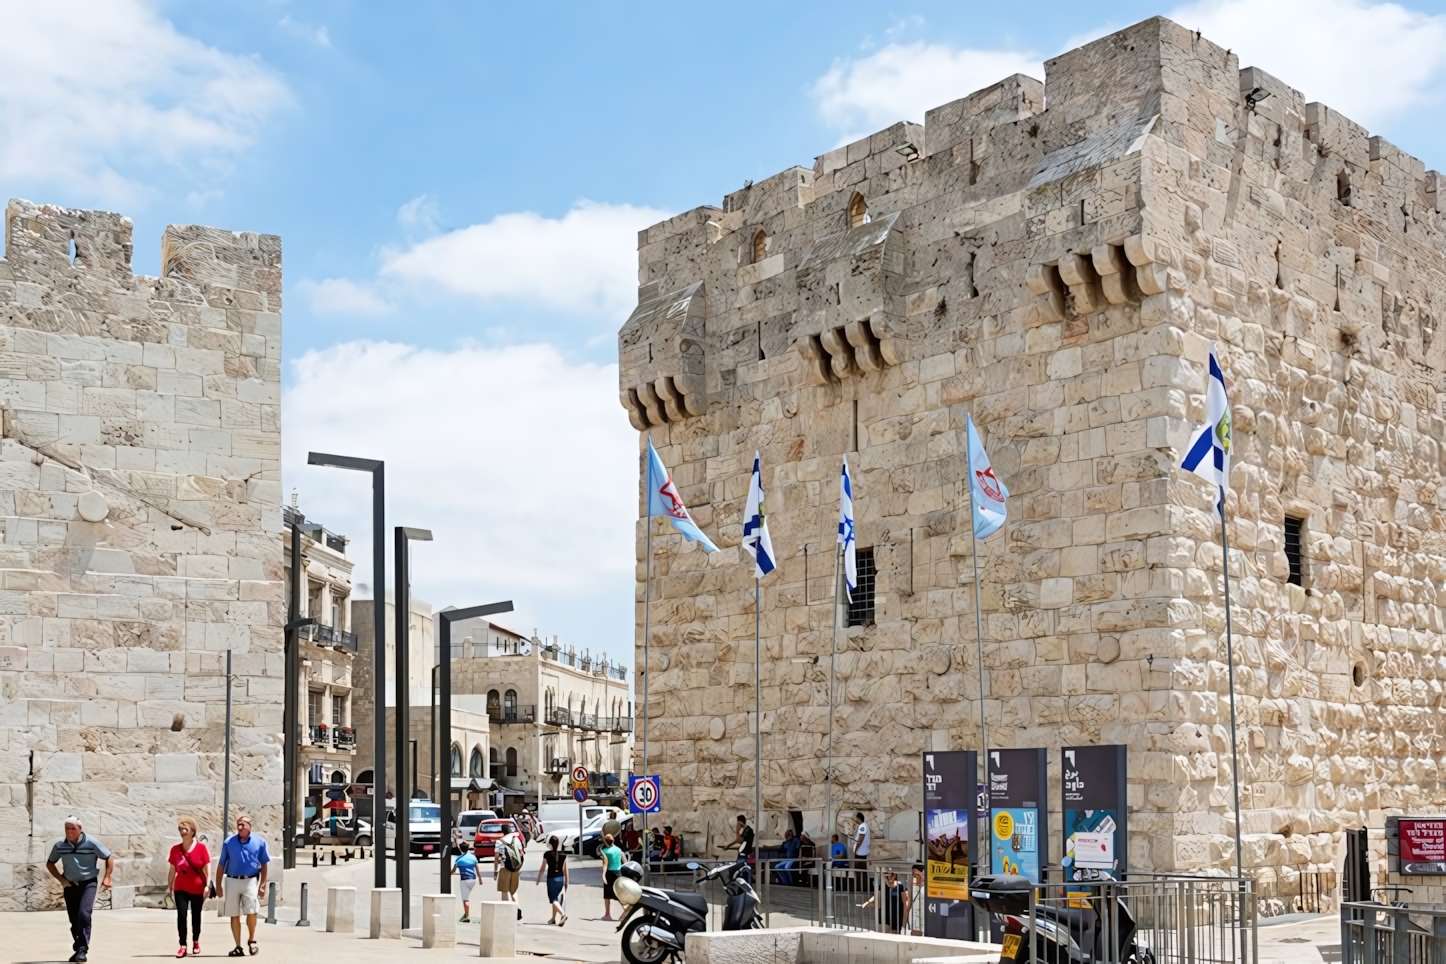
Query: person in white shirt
(863, 843)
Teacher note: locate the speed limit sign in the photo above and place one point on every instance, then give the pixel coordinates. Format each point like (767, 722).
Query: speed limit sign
(579, 775)
(644, 795)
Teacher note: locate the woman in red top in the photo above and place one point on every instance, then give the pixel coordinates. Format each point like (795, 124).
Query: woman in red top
(189, 862)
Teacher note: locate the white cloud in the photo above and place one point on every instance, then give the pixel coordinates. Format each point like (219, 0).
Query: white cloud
(1370, 61)
(317, 35)
(98, 96)
(521, 463)
(585, 261)
(420, 214)
(342, 296)
(902, 81)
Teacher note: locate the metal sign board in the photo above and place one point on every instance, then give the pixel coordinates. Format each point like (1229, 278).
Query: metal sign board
(645, 794)
(1018, 816)
(950, 798)
(1096, 818)
(580, 795)
(1416, 846)
(579, 775)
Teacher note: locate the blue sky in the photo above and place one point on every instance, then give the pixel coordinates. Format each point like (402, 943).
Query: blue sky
(458, 185)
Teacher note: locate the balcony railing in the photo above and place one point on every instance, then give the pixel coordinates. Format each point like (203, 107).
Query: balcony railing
(615, 671)
(559, 765)
(320, 735)
(345, 737)
(330, 635)
(618, 724)
(588, 721)
(557, 716)
(512, 714)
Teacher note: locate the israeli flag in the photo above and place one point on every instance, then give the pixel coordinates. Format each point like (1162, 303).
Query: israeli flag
(987, 494)
(663, 499)
(1208, 454)
(846, 529)
(755, 524)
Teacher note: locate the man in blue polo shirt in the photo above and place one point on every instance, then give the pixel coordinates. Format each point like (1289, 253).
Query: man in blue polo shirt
(240, 878)
(80, 856)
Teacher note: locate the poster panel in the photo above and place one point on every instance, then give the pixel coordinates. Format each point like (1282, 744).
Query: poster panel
(1018, 817)
(1096, 832)
(1416, 846)
(950, 798)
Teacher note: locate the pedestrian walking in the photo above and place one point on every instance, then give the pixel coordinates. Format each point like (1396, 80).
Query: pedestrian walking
(465, 867)
(613, 863)
(895, 902)
(507, 864)
(743, 839)
(79, 855)
(187, 880)
(554, 866)
(240, 878)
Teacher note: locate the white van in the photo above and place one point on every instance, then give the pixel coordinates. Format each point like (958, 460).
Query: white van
(560, 815)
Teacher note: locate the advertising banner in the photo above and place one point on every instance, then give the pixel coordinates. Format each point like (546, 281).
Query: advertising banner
(1096, 832)
(1018, 817)
(950, 798)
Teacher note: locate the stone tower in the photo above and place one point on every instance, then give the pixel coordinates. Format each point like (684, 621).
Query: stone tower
(1059, 272)
(140, 491)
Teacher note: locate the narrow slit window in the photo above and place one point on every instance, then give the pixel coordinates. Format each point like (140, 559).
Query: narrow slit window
(858, 210)
(861, 602)
(1294, 536)
(760, 246)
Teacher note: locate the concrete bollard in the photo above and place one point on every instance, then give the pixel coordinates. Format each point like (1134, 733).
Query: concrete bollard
(341, 910)
(499, 927)
(439, 928)
(271, 902)
(386, 921)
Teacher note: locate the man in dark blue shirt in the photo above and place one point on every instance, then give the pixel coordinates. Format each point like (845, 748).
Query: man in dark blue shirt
(80, 856)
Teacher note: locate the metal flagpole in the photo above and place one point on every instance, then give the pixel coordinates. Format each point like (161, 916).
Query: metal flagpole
(647, 627)
(979, 641)
(226, 792)
(757, 703)
(1234, 745)
(829, 821)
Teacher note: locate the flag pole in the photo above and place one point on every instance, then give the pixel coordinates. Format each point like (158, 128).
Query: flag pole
(647, 626)
(979, 642)
(830, 823)
(1230, 675)
(757, 703)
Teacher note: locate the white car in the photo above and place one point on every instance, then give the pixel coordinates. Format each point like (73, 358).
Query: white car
(424, 827)
(468, 820)
(567, 836)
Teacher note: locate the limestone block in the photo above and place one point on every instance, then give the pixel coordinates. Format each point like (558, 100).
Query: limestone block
(439, 927)
(498, 923)
(341, 910)
(386, 913)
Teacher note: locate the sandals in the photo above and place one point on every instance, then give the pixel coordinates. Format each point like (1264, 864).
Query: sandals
(252, 948)
(236, 952)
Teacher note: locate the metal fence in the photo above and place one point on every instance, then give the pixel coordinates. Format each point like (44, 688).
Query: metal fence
(1373, 933)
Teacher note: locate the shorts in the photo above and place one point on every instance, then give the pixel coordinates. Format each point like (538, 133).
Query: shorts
(466, 885)
(241, 896)
(507, 880)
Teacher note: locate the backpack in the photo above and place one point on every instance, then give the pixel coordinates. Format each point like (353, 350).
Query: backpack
(511, 856)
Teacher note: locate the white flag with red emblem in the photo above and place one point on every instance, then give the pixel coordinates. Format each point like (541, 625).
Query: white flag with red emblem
(987, 494)
(663, 499)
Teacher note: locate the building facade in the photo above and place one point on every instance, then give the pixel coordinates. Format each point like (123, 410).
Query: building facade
(551, 709)
(328, 650)
(140, 487)
(1058, 273)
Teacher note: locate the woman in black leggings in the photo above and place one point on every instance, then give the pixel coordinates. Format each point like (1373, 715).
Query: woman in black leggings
(189, 862)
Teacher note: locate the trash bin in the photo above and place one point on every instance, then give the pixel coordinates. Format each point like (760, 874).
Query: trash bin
(1001, 893)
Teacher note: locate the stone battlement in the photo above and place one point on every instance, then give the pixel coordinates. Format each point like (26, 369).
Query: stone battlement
(1053, 259)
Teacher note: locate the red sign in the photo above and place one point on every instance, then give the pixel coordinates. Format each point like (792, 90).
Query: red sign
(1423, 846)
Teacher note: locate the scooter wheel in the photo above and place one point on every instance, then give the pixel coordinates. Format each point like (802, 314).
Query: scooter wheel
(641, 950)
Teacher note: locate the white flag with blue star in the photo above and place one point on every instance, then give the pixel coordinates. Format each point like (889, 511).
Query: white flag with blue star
(846, 529)
(755, 524)
(1208, 454)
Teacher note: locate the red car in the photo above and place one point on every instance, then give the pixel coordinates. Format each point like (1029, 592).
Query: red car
(488, 833)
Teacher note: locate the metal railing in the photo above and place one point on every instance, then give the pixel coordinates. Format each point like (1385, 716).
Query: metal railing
(512, 714)
(1373, 933)
(332, 636)
(587, 721)
(557, 716)
(559, 765)
(617, 724)
(345, 738)
(319, 735)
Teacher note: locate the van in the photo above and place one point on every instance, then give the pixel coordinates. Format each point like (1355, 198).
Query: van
(559, 815)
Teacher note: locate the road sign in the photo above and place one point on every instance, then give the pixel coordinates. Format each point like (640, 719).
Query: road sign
(580, 794)
(579, 775)
(645, 794)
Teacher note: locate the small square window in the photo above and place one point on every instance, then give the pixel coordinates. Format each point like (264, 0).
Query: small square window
(1294, 538)
(861, 602)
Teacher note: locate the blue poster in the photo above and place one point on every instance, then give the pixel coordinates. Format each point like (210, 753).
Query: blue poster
(1014, 844)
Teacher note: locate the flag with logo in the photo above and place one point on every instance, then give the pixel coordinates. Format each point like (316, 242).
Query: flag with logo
(1208, 454)
(755, 524)
(987, 494)
(663, 499)
(846, 529)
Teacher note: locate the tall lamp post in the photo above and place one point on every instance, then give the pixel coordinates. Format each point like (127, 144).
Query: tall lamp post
(444, 726)
(379, 648)
(291, 713)
(402, 562)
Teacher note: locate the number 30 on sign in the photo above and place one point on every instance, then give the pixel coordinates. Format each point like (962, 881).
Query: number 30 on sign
(644, 794)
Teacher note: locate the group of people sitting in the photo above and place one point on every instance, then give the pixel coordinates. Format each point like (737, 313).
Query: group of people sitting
(663, 846)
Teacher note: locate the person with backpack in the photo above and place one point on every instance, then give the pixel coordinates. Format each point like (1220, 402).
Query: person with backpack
(190, 863)
(507, 863)
(554, 865)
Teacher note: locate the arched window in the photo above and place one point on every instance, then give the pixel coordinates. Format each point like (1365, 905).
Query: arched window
(474, 765)
(496, 767)
(511, 761)
(858, 210)
(1343, 188)
(456, 760)
(338, 776)
(509, 705)
(364, 777)
(494, 703)
(760, 246)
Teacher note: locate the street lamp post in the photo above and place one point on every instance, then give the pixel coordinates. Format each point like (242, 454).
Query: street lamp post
(379, 648)
(291, 713)
(401, 561)
(444, 726)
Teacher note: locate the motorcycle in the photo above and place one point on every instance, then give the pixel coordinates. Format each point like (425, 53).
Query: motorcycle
(1061, 935)
(657, 921)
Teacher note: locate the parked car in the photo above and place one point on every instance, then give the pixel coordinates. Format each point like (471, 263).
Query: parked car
(561, 815)
(567, 836)
(468, 820)
(424, 827)
(484, 844)
(360, 837)
(592, 839)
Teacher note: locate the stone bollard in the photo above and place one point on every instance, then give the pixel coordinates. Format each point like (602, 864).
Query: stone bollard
(341, 910)
(439, 928)
(386, 913)
(499, 927)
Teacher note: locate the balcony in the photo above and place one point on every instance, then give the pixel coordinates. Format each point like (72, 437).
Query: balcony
(558, 716)
(345, 737)
(320, 735)
(559, 765)
(587, 721)
(331, 636)
(512, 714)
(619, 724)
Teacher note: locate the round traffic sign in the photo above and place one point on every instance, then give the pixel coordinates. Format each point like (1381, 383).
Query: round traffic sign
(579, 774)
(644, 794)
(580, 795)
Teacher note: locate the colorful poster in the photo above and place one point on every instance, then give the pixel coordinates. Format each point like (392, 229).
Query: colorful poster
(1015, 845)
(1017, 815)
(1092, 781)
(950, 799)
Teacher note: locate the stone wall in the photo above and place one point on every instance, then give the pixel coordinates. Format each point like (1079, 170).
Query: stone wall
(1059, 274)
(140, 490)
